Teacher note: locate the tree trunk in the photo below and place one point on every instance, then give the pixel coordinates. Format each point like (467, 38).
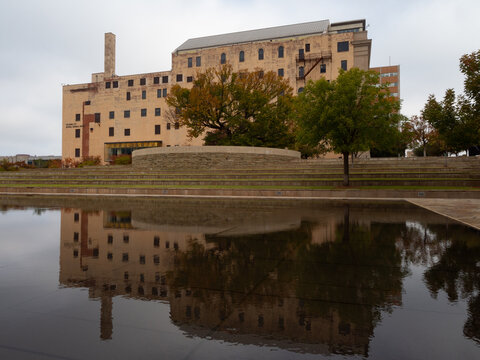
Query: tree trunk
(346, 175)
(424, 151)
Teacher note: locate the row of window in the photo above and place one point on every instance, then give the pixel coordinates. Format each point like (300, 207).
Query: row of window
(143, 81)
(126, 239)
(341, 47)
(160, 93)
(111, 130)
(389, 74)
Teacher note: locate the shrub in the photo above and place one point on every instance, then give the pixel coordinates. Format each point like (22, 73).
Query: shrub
(70, 163)
(54, 164)
(122, 160)
(90, 161)
(5, 165)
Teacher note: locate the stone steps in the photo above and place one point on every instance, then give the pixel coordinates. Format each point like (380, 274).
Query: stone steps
(314, 173)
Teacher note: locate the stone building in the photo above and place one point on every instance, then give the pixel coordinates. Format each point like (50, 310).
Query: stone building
(114, 115)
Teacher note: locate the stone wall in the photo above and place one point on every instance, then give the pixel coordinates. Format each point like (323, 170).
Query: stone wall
(211, 157)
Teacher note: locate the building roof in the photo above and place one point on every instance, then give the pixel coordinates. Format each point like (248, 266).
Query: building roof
(314, 27)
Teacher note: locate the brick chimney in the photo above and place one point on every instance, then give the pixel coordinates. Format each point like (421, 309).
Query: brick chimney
(109, 55)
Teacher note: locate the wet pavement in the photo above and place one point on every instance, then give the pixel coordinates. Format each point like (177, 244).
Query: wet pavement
(466, 211)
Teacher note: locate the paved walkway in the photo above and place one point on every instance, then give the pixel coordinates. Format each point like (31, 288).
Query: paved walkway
(466, 211)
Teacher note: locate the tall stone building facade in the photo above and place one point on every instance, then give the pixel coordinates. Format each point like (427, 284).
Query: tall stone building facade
(114, 115)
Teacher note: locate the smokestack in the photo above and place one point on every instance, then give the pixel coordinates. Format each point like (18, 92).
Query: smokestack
(109, 55)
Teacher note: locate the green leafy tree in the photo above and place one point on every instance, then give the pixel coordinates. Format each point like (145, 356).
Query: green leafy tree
(470, 67)
(396, 142)
(457, 119)
(347, 115)
(228, 108)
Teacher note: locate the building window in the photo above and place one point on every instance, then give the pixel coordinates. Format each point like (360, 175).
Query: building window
(110, 238)
(111, 115)
(190, 62)
(157, 129)
(128, 95)
(159, 93)
(260, 54)
(301, 72)
(280, 72)
(343, 65)
(260, 74)
(142, 260)
(156, 80)
(301, 54)
(108, 84)
(144, 94)
(76, 217)
(300, 90)
(158, 111)
(189, 78)
(126, 238)
(164, 94)
(97, 117)
(179, 77)
(280, 51)
(143, 81)
(177, 125)
(130, 82)
(342, 46)
(323, 68)
(168, 126)
(143, 112)
(307, 47)
(77, 117)
(223, 58)
(198, 61)
(127, 132)
(88, 102)
(125, 257)
(77, 133)
(109, 256)
(241, 56)
(111, 131)
(77, 152)
(115, 84)
(165, 79)
(126, 114)
(75, 253)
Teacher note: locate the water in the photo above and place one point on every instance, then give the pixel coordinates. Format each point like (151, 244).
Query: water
(191, 279)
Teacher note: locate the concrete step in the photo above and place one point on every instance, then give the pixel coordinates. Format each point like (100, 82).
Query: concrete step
(249, 182)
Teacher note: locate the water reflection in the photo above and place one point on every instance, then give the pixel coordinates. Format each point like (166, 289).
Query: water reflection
(315, 280)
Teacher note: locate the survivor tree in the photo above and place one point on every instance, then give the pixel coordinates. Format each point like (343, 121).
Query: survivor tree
(229, 108)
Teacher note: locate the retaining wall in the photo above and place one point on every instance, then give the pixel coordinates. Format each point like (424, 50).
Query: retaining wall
(211, 157)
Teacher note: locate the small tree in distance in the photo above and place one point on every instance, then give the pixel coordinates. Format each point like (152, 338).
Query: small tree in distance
(347, 115)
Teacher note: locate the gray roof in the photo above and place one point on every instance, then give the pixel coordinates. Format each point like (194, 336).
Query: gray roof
(314, 27)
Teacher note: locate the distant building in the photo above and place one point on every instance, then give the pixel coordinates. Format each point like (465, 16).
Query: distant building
(28, 159)
(390, 75)
(114, 115)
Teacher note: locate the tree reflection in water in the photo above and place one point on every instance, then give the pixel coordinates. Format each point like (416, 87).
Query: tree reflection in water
(338, 287)
(457, 272)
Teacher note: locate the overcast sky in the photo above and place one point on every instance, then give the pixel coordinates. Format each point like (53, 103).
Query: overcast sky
(47, 43)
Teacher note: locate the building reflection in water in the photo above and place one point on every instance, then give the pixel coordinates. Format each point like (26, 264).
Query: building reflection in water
(315, 280)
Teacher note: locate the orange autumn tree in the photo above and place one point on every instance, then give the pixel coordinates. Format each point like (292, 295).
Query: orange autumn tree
(229, 108)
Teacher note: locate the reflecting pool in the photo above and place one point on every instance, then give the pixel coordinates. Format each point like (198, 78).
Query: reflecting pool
(204, 279)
